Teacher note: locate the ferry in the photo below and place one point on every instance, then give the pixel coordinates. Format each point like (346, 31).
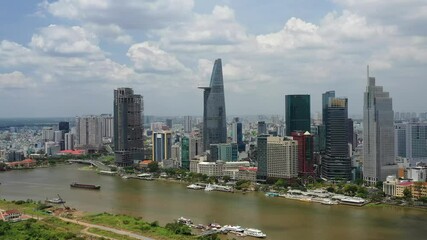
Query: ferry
(271, 194)
(87, 186)
(195, 187)
(254, 233)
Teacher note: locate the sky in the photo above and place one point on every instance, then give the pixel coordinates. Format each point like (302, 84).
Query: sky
(65, 57)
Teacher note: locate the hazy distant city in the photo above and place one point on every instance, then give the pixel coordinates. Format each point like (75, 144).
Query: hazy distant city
(197, 120)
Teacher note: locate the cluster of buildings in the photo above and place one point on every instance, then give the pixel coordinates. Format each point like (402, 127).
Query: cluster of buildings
(332, 146)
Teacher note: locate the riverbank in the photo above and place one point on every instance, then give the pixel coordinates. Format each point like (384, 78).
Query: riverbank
(71, 223)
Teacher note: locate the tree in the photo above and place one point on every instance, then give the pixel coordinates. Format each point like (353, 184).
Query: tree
(153, 166)
(407, 194)
(280, 183)
(379, 185)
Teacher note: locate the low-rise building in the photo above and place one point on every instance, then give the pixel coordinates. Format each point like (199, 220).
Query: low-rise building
(247, 173)
(11, 215)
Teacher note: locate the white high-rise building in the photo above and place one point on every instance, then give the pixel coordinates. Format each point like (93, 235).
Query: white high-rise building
(69, 141)
(282, 158)
(58, 136)
(378, 134)
(188, 124)
(89, 132)
(107, 125)
(48, 134)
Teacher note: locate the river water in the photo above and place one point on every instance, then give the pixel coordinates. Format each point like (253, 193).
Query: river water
(164, 201)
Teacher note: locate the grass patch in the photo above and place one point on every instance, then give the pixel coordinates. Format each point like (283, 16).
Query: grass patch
(134, 224)
(109, 234)
(34, 229)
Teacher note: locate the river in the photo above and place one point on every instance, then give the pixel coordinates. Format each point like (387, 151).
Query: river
(164, 201)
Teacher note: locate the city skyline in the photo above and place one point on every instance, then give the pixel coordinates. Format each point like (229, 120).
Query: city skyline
(67, 53)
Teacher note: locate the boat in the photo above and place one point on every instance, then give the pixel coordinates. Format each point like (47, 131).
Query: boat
(125, 177)
(254, 233)
(195, 187)
(87, 186)
(111, 173)
(233, 228)
(271, 194)
(55, 200)
(184, 220)
(209, 187)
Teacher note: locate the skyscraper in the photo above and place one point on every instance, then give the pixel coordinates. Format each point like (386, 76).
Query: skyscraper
(336, 164)
(88, 133)
(214, 117)
(378, 134)
(162, 146)
(64, 127)
(322, 129)
(262, 128)
(297, 113)
(128, 126)
(305, 152)
(188, 124)
(185, 152)
(282, 158)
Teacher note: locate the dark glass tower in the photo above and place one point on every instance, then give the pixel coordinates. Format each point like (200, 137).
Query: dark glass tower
(336, 165)
(185, 153)
(128, 127)
(297, 111)
(262, 157)
(64, 127)
(214, 118)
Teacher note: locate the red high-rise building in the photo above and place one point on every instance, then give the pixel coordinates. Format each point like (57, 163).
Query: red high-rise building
(305, 153)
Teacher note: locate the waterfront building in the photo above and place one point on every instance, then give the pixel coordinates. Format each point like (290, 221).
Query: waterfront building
(297, 113)
(188, 124)
(247, 173)
(88, 133)
(162, 145)
(219, 168)
(336, 164)
(51, 148)
(282, 158)
(411, 141)
(261, 157)
(185, 152)
(128, 127)
(305, 153)
(262, 128)
(69, 141)
(378, 134)
(417, 174)
(214, 114)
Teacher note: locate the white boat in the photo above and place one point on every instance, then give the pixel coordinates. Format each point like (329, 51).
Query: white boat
(209, 187)
(195, 187)
(55, 200)
(125, 177)
(185, 221)
(254, 233)
(233, 228)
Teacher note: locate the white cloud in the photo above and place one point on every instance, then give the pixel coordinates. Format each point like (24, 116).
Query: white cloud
(148, 57)
(15, 79)
(130, 14)
(63, 40)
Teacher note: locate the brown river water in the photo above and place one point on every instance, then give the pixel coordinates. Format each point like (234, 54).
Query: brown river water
(165, 201)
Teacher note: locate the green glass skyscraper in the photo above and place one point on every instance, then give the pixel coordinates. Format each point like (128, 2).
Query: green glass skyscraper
(297, 113)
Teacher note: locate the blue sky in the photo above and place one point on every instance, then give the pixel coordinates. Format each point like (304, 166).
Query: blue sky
(65, 57)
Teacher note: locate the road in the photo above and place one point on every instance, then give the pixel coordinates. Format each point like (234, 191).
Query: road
(121, 232)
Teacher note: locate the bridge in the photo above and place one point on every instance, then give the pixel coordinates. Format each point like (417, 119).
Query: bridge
(94, 163)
